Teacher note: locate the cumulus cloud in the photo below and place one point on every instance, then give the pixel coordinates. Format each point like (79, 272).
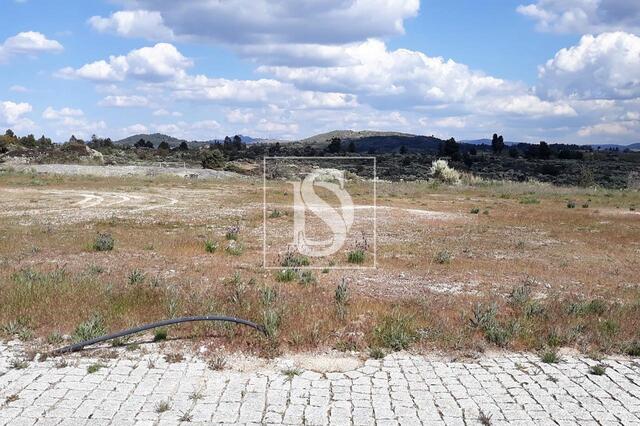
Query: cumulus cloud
(133, 23)
(606, 66)
(18, 89)
(27, 43)
(160, 62)
(12, 115)
(70, 121)
(584, 16)
(123, 101)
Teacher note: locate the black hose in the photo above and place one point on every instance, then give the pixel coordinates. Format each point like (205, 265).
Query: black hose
(81, 345)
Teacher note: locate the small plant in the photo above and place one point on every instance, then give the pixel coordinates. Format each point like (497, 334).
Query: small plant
(217, 363)
(521, 294)
(103, 242)
(484, 418)
(550, 356)
(185, 417)
(19, 364)
(291, 372)
(11, 398)
(136, 277)
(475, 210)
(54, 338)
(341, 298)
(443, 257)
(210, 246)
(94, 368)
(61, 363)
(234, 248)
(268, 296)
(396, 331)
(325, 270)
(356, 256)
(271, 321)
(529, 200)
(585, 205)
(483, 316)
(92, 328)
(598, 369)
(162, 407)
(160, 334)
(307, 278)
(174, 357)
(593, 307)
(286, 275)
(376, 353)
(275, 214)
(571, 204)
(441, 172)
(196, 395)
(232, 233)
(293, 260)
(634, 349)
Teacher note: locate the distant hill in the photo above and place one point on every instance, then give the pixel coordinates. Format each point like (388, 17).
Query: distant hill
(154, 138)
(486, 142)
(350, 135)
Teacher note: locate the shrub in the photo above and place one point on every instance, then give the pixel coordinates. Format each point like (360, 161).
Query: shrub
(213, 160)
(234, 249)
(529, 200)
(341, 298)
(593, 307)
(571, 204)
(268, 296)
(441, 171)
(585, 205)
(217, 363)
(210, 246)
(356, 256)
(396, 331)
(94, 368)
(634, 349)
(271, 321)
(275, 214)
(376, 353)
(232, 233)
(475, 210)
(103, 242)
(291, 372)
(292, 260)
(307, 278)
(90, 329)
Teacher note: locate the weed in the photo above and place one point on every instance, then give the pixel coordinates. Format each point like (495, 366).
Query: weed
(356, 256)
(210, 246)
(234, 248)
(291, 372)
(341, 298)
(474, 210)
(268, 296)
(162, 406)
(484, 418)
(571, 204)
(483, 315)
(54, 338)
(185, 417)
(521, 294)
(174, 357)
(529, 200)
(585, 205)
(275, 214)
(160, 334)
(232, 233)
(307, 278)
(593, 307)
(634, 349)
(11, 398)
(94, 368)
(598, 369)
(286, 275)
(396, 331)
(376, 353)
(325, 270)
(441, 172)
(609, 328)
(293, 260)
(92, 328)
(103, 242)
(18, 364)
(217, 363)
(271, 320)
(550, 356)
(61, 363)
(136, 277)
(443, 257)
(196, 395)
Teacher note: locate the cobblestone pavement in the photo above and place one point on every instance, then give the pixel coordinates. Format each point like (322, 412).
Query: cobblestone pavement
(400, 389)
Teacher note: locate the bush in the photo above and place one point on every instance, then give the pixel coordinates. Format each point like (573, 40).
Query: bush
(210, 246)
(598, 369)
(103, 242)
(286, 275)
(441, 171)
(571, 204)
(160, 334)
(356, 256)
(443, 257)
(475, 210)
(550, 356)
(292, 260)
(136, 277)
(396, 331)
(307, 278)
(213, 160)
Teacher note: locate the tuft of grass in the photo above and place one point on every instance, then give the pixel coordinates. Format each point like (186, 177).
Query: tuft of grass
(271, 321)
(103, 242)
(232, 233)
(174, 357)
(293, 260)
(185, 417)
(210, 246)
(234, 248)
(443, 257)
(90, 329)
(162, 407)
(286, 275)
(474, 210)
(19, 364)
(291, 372)
(55, 338)
(94, 368)
(529, 200)
(396, 331)
(341, 298)
(633, 349)
(356, 256)
(11, 398)
(217, 363)
(196, 395)
(550, 356)
(136, 277)
(160, 334)
(598, 369)
(593, 307)
(376, 353)
(571, 204)
(275, 214)
(307, 278)
(484, 418)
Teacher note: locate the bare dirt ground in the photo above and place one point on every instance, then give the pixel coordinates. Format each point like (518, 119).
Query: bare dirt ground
(440, 251)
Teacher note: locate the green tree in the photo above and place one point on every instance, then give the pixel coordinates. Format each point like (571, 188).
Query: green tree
(352, 146)
(334, 146)
(497, 143)
(213, 159)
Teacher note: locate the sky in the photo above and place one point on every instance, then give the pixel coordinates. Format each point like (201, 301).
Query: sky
(554, 70)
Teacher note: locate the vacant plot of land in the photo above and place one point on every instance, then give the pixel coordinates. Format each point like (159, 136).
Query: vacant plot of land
(466, 267)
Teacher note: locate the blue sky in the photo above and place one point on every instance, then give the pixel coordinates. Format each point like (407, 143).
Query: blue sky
(555, 70)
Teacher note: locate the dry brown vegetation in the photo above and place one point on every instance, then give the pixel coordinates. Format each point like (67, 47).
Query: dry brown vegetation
(522, 270)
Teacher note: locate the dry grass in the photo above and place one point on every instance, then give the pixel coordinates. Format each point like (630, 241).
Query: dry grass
(51, 279)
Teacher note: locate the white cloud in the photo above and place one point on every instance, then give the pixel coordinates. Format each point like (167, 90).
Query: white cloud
(163, 112)
(133, 23)
(160, 62)
(12, 115)
(53, 114)
(70, 121)
(584, 16)
(27, 43)
(135, 129)
(606, 66)
(18, 89)
(123, 101)
(615, 129)
(237, 116)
